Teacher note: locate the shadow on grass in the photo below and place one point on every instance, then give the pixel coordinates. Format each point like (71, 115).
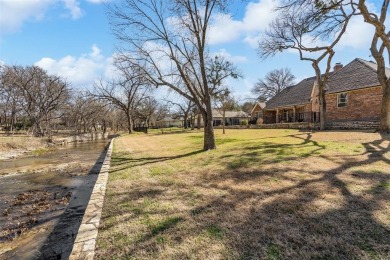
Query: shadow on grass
(122, 163)
(269, 152)
(320, 217)
(283, 227)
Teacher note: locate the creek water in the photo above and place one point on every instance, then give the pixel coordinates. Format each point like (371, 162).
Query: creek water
(43, 199)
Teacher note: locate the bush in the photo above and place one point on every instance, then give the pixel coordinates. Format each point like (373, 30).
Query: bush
(244, 122)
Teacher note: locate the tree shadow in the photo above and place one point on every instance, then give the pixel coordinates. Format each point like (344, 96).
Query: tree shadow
(128, 163)
(269, 152)
(284, 228)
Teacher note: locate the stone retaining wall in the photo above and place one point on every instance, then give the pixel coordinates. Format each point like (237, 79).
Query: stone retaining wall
(84, 245)
(357, 125)
(308, 126)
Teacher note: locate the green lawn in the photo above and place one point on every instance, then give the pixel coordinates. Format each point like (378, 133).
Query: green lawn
(263, 194)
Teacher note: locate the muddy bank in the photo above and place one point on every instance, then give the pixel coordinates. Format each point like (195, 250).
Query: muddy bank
(17, 146)
(42, 200)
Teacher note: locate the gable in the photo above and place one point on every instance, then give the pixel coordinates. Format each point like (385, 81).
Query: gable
(258, 107)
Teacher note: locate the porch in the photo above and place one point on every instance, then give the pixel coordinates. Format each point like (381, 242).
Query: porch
(290, 115)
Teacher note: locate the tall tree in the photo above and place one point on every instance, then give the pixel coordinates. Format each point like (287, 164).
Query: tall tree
(380, 47)
(313, 28)
(168, 40)
(273, 83)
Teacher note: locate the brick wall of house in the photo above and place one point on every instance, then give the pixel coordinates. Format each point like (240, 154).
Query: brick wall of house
(362, 104)
(308, 107)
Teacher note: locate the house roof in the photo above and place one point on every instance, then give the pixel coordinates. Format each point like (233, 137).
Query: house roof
(260, 104)
(295, 95)
(231, 114)
(357, 74)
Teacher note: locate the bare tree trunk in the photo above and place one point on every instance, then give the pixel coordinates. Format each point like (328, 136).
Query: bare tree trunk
(192, 122)
(322, 101)
(209, 138)
(185, 120)
(129, 123)
(385, 110)
(223, 122)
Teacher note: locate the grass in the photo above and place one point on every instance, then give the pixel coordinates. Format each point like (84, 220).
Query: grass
(263, 194)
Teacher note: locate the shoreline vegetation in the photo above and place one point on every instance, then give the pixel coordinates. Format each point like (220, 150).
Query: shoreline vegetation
(16, 146)
(22, 145)
(263, 194)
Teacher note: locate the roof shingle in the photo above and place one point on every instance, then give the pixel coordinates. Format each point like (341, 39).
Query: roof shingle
(295, 95)
(357, 74)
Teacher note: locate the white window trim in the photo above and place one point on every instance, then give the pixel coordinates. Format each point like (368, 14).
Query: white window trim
(346, 99)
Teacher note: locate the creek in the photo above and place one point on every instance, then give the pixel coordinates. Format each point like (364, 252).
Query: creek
(43, 199)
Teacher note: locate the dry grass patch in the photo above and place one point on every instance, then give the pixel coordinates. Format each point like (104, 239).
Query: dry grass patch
(14, 146)
(263, 194)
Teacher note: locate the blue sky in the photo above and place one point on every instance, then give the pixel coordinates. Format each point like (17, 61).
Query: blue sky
(72, 38)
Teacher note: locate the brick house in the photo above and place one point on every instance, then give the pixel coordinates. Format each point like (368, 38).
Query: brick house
(256, 114)
(353, 93)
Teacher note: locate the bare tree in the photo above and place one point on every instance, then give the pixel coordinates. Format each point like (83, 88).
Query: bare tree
(302, 25)
(143, 114)
(84, 113)
(168, 39)
(43, 96)
(126, 93)
(10, 98)
(273, 83)
(183, 109)
(380, 47)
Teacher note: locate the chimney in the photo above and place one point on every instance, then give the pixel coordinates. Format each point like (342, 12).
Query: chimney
(337, 67)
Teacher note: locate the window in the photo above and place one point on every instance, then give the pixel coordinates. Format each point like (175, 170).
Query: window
(342, 100)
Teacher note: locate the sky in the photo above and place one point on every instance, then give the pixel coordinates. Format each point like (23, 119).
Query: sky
(72, 38)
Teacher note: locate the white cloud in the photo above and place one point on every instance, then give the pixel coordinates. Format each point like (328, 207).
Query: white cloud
(16, 12)
(80, 71)
(259, 15)
(74, 8)
(224, 29)
(233, 58)
(256, 19)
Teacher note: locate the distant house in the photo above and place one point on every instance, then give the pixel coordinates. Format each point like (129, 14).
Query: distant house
(169, 121)
(256, 114)
(353, 93)
(231, 117)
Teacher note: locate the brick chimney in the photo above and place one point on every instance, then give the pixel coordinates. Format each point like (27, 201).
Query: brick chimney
(337, 67)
